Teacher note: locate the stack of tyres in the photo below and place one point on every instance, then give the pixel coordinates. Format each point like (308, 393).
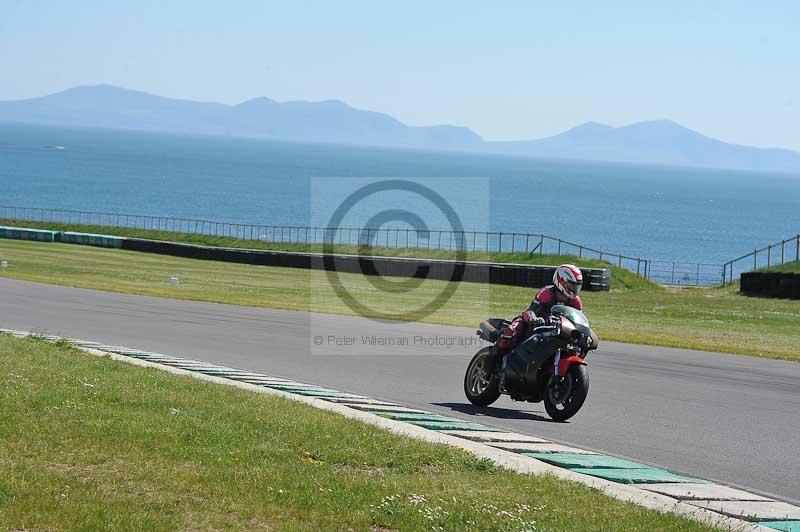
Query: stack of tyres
(789, 286)
(750, 282)
(596, 279)
(771, 284)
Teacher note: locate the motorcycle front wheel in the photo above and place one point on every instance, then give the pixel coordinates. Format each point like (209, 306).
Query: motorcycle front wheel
(563, 399)
(480, 389)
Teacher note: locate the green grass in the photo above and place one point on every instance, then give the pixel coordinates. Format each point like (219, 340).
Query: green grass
(791, 267)
(88, 443)
(716, 319)
(621, 278)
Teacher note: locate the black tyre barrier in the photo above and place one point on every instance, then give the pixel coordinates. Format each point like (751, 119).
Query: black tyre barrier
(771, 284)
(594, 279)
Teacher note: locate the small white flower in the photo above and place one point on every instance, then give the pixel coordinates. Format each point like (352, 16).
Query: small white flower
(416, 499)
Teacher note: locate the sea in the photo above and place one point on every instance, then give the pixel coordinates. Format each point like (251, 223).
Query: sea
(656, 212)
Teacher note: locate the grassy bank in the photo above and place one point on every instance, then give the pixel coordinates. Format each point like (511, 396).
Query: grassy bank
(791, 267)
(701, 318)
(621, 278)
(89, 443)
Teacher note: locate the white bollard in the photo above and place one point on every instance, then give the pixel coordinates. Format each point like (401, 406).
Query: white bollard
(174, 281)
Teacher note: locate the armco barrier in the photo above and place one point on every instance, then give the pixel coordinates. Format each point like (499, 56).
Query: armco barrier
(595, 279)
(89, 239)
(19, 233)
(771, 284)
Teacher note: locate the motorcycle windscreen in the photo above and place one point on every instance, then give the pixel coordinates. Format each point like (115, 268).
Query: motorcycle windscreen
(575, 316)
(524, 362)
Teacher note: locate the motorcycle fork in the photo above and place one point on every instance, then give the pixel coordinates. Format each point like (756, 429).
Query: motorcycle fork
(556, 360)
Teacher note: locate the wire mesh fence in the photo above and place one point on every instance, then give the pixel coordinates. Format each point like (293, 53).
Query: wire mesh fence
(685, 273)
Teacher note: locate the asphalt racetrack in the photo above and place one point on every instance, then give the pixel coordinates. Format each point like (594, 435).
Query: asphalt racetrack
(728, 418)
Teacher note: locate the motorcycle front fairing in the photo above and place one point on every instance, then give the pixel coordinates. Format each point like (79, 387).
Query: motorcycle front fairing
(523, 363)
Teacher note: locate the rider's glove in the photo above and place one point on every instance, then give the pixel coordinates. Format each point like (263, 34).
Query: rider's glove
(537, 322)
(587, 341)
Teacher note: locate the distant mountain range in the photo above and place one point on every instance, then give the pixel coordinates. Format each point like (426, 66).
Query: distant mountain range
(655, 142)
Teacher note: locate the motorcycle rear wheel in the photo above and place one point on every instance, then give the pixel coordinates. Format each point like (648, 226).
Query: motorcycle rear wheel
(564, 400)
(480, 389)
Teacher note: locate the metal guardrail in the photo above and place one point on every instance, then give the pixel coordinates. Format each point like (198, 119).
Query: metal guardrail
(762, 258)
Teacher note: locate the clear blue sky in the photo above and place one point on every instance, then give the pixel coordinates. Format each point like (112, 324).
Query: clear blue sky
(510, 71)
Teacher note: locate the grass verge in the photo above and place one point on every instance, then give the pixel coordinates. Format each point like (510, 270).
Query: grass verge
(90, 443)
(790, 267)
(714, 319)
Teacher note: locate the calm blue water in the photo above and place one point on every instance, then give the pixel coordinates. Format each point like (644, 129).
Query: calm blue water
(655, 212)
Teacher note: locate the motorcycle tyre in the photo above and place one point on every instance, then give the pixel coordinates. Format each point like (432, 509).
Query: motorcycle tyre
(492, 391)
(579, 374)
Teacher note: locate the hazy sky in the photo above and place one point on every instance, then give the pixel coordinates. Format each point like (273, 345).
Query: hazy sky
(510, 71)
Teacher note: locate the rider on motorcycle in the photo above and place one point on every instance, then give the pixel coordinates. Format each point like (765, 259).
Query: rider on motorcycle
(567, 282)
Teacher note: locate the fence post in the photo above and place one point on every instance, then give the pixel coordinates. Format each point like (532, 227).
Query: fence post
(541, 244)
(769, 255)
(559, 247)
(580, 251)
(638, 265)
(697, 279)
(500, 242)
(755, 263)
(797, 249)
(673, 272)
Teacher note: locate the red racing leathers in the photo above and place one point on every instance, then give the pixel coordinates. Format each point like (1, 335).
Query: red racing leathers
(522, 326)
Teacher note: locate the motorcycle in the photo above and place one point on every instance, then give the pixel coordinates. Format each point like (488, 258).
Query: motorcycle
(550, 365)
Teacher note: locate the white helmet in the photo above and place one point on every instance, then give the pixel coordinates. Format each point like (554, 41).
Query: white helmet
(568, 279)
